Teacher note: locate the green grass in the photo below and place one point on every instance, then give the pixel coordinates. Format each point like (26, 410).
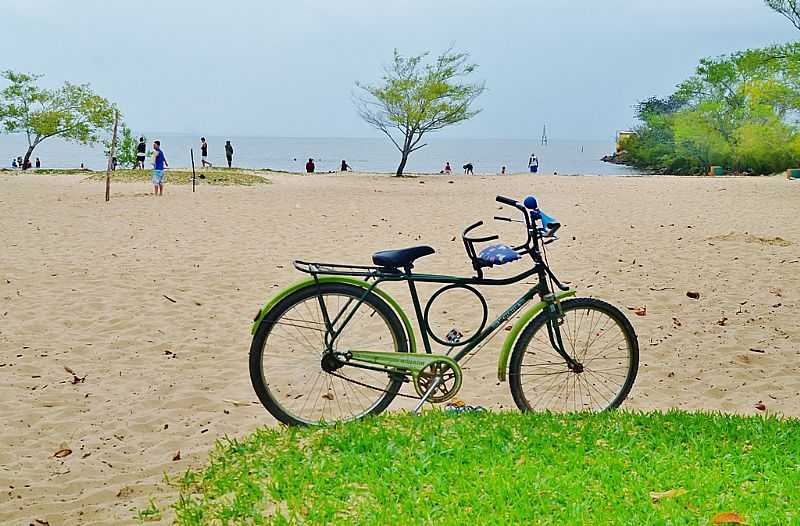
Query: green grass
(149, 514)
(215, 176)
(505, 468)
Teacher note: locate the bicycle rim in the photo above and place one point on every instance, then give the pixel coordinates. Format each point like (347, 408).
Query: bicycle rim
(290, 360)
(599, 338)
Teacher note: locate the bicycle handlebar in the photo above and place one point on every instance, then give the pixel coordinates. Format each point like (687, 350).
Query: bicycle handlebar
(507, 201)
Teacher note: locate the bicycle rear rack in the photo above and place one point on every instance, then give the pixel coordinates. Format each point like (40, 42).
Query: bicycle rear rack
(337, 269)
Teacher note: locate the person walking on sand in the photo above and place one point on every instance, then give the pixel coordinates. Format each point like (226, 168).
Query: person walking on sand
(533, 164)
(204, 153)
(159, 165)
(141, 153)
(310, 166)
(229, 152)
(345, 167)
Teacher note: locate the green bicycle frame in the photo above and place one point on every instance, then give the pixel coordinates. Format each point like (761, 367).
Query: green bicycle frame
(505, 352)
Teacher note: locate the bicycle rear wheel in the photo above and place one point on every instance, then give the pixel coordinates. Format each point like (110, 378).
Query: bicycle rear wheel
(596, 335)
(287, 350)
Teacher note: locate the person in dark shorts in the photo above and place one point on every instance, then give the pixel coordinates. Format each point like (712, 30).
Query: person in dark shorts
(229, 152)
(468, 169)
(141, 154)
(533, 163)
(204, 152)
(310, 166)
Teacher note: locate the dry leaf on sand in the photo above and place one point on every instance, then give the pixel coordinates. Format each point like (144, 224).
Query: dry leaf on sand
(658, 495)
(177, 456)
(63, 452)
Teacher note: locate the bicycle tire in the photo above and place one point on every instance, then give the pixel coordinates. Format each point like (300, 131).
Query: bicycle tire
(551, 369)
(261, 376)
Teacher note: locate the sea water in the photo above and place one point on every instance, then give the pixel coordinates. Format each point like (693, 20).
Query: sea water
(362, 154)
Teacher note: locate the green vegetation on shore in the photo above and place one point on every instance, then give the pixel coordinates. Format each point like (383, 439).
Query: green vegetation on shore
(738, 111)
(215, 176)
(506, 468)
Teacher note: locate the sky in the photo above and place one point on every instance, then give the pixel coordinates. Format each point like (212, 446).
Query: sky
(287, 68)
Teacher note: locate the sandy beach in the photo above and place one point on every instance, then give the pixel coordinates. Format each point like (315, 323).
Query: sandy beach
(148, 303)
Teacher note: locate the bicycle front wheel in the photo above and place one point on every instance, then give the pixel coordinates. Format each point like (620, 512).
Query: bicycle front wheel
(598, 337)
(288, 347)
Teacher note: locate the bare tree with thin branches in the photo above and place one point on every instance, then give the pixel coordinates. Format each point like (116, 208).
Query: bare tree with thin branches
(417, 97)
(788, 8)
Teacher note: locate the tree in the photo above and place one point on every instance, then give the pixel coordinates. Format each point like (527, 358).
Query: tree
(417, 97)
(126, 147)
(788, 8)
(738, 111)
(73, 112)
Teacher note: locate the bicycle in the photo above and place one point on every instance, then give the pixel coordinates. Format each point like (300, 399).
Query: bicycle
(335, 346)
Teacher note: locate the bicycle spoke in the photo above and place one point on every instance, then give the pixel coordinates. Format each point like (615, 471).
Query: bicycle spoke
(600, 346)
(293, 352)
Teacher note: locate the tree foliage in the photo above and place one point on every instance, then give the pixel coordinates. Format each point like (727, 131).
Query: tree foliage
(125, 151)
(417, 96)
(73, 112)
(738, 111)
(788, 8)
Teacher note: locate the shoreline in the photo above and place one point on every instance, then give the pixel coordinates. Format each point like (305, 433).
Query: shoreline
(269, 171)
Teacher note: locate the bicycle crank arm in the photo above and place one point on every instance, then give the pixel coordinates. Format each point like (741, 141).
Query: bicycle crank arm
(427, 395)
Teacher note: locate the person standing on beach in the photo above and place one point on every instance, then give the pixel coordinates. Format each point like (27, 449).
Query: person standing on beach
(204, 153)
(38, 163)
(159, 164)
(533, 163)
(141, 153)
(229, 152)
(345, 167)
(310, 166)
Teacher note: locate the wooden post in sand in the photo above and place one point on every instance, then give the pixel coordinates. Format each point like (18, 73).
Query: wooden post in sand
(111, 155)
(191, 153)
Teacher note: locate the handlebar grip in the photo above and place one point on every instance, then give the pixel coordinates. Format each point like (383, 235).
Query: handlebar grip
(506, 201)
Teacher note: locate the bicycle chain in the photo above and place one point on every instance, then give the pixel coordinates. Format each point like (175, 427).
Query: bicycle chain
(362, 384)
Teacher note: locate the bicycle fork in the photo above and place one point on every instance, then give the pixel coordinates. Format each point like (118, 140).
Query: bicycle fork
(554, 315)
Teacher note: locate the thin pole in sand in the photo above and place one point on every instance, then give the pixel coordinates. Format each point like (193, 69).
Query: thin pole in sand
(111, 155)
(191, 153)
